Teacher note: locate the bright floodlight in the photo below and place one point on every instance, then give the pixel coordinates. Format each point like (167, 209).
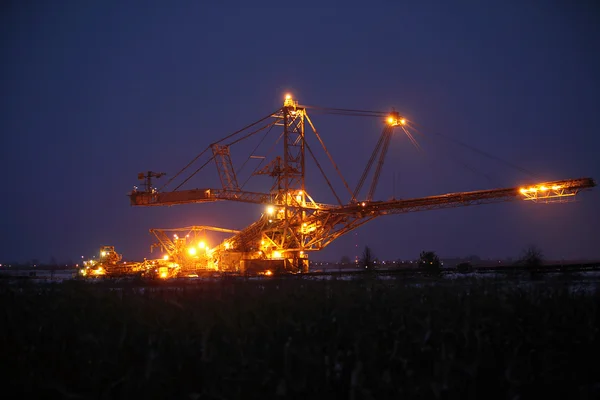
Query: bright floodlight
(270, 210)
(402, 121)
(391, 120)
(192, 251)
(166, 257)
(201, 245)
(288, 96)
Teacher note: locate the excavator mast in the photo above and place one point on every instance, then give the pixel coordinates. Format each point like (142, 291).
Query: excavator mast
(293, 224)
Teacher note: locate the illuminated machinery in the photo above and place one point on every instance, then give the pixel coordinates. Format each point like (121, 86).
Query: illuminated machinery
(293, 224)
(187, 251)
(109, 263)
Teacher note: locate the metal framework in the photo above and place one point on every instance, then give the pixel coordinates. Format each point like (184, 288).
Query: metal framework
(225, 167)
(293, 223)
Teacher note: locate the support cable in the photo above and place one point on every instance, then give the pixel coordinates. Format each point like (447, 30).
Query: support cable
(386, 144)
(472, 148)
(369, 164)
(255, 148)
(217, 142)
(195, 172)
(270, 124)
(468, 167)
(261, 161)
(330, 157)
(323, 173)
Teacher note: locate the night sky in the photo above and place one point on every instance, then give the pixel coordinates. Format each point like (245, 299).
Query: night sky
(95, 92)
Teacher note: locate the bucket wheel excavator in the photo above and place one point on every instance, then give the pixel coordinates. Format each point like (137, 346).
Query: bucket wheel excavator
(293, 224)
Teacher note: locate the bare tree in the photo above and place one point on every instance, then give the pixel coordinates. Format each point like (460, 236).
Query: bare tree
(532, 257)
(368, 258)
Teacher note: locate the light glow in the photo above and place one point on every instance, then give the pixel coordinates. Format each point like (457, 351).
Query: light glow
(201, 245)
(192, 251)
(166, 257)
(276, 254)
(270, 210)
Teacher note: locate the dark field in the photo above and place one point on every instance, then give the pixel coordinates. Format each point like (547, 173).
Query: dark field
(300, 339)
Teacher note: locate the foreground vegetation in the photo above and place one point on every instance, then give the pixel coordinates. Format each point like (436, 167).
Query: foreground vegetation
(299, 339)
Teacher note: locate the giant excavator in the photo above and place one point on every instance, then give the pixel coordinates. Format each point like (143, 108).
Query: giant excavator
(293, 223)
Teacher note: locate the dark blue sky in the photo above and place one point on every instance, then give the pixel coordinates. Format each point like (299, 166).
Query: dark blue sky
(95, 92)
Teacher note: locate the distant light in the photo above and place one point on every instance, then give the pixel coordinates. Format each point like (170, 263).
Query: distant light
(363, 204)
(543, 188)
(262, 242)
(269, 273)
(301, 253)
(201, 245)
(556, 187)
(288, 96)
(524, 190)
(276, 254)
(402, 121)
(227, 245)
(391, 120)
(103, 254)
(166, 257)
(270, 210)
(192, 251)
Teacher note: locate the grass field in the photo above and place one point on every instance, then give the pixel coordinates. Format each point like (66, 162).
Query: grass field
(300, 339)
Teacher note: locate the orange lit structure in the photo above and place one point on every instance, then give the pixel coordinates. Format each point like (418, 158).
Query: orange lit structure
(293, 223)
(110, 263)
